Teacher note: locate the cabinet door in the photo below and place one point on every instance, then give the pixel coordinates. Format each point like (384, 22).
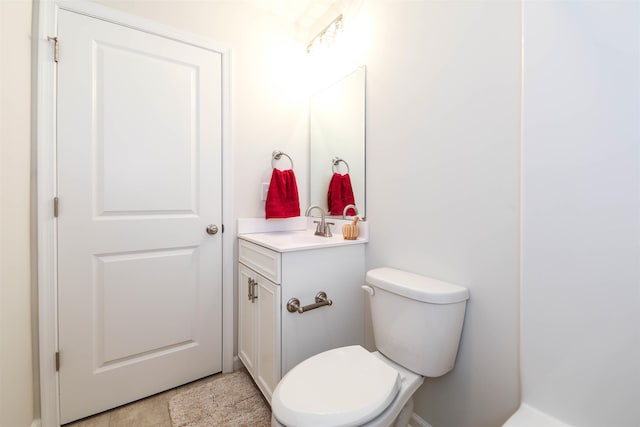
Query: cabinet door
(246, 320)
(268, 335)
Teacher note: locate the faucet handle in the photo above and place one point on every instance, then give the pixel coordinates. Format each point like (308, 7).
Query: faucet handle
(318, 227)
(327, 229)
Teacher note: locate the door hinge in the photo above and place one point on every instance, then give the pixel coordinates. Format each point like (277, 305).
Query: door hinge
(55, 207)
(56, 47)
(57, 361)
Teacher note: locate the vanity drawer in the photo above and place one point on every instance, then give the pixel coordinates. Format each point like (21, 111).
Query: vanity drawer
(260, 259)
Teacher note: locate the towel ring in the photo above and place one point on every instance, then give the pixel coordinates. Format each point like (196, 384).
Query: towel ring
(277, 155)
(335, 161)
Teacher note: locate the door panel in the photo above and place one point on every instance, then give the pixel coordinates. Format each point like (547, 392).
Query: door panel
(139, 160)
(160, 160)
(161, 285)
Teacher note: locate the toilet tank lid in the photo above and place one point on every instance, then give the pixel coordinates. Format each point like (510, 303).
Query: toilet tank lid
(417, 287)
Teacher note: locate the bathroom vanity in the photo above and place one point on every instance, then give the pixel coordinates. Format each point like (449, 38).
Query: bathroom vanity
(282, 316)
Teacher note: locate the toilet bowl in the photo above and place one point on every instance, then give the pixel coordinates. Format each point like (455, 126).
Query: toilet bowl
(351, 387)
(417, 323)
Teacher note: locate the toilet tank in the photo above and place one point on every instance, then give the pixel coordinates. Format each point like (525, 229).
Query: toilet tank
(417, 320)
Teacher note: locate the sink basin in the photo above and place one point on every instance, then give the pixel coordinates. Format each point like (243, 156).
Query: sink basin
(287, 241)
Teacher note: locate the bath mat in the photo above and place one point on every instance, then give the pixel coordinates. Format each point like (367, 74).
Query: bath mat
(229, 400)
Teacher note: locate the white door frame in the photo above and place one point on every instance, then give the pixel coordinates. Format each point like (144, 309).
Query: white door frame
(46, 185)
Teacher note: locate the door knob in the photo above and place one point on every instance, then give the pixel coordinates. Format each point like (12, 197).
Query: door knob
(212, 229)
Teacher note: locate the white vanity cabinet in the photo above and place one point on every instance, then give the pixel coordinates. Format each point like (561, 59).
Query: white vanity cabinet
(272, 340)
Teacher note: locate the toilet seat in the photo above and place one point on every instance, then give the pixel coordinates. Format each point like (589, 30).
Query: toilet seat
(350, 387)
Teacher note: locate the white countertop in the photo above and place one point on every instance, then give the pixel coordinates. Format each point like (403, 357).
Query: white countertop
(299, 240)
(282, 238)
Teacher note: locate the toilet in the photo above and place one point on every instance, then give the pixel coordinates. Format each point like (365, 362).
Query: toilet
(417, 323)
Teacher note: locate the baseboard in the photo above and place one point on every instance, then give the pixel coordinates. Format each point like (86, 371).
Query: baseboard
(418, 421)
(36, 423)
(237, 364)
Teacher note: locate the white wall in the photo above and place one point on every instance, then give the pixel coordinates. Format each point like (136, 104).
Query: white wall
(16, 389)
(581, 211)
(443, 131)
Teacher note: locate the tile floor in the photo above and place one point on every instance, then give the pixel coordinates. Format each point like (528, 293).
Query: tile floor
(150, 412)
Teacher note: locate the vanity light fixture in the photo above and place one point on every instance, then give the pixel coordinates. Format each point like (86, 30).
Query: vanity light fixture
(327, 36)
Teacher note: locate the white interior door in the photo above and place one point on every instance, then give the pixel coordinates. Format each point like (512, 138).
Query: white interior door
(139, 161)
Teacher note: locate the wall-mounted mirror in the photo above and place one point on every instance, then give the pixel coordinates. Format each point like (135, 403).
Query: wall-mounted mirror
(337, 138)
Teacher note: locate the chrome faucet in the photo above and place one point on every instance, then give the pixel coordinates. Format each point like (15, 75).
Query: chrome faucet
(323, 228)
(346, 208)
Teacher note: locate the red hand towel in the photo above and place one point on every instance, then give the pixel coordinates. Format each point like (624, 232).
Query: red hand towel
(282, 197)
(340, 194)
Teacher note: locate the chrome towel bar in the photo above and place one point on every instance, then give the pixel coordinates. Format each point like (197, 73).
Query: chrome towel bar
(293, 304)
